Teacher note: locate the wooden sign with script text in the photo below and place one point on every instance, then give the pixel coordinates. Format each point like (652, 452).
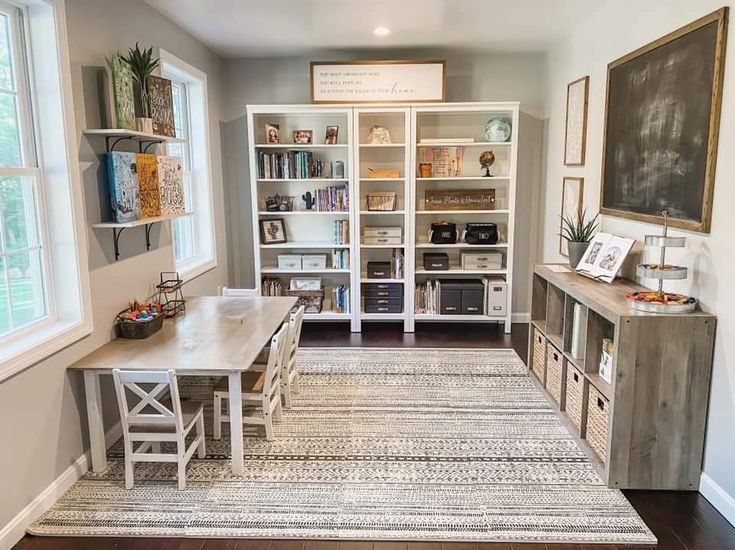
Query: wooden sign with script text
(459, 199)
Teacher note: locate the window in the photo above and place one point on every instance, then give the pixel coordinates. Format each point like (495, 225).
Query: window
(194, 247)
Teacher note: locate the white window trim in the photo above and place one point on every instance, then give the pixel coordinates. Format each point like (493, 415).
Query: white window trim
(50, 75)
(204, 228)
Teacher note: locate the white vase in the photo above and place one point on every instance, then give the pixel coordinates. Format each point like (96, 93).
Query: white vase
(144, 124)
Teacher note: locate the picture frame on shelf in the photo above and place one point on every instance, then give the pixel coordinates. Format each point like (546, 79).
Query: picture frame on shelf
(575, 130)
(572, 199)
(273, 231)
(331, 136)
(272, 133)
(303, 137)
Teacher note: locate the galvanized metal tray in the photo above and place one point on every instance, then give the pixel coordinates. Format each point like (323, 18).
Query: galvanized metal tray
(672, 273)
(650, 307)
(667, 242)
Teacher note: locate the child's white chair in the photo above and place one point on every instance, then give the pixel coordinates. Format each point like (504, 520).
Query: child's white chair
(160, 416)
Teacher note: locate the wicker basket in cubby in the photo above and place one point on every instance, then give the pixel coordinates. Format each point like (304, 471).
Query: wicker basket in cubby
(598, 411)
(554, 372)
(538, 362)
(574, 398)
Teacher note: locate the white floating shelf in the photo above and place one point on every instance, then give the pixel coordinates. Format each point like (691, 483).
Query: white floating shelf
(307, 213)
(461, 245)
(275, 270)
(302, 180)
(300, 146)
(468, 144)
(133, 135)
(442, 212)
(459, 271)
(464, 178)
(138, 223)
(304, 244)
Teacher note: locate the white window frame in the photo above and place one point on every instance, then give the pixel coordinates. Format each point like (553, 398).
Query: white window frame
(61, 218)
(205, 250)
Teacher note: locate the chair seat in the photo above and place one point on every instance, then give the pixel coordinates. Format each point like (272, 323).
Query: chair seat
(189, 411)
(251, 382)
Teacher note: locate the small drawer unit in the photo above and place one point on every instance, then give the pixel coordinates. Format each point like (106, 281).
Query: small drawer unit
(383, 235)
(462, 297)
(497, 296)
(538, 360)
(482, 260)
(554, 373)
(378, 270)
(598, 412)
(382, 290)
(575, 402)
(436, 261)
(314, 261)
(289, 261)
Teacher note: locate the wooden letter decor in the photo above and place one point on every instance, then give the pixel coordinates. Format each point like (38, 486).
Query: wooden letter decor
(459, 199)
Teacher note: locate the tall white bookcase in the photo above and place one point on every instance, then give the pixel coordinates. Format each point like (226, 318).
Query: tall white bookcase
(312, 231)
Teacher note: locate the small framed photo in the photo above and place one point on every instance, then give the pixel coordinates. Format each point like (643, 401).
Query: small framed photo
(302, 136)
(331, 137)
(272, 133)
(273, 231)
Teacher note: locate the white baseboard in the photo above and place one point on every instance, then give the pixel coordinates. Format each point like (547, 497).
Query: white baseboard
(717, 497)
(521, 318)
(11, 533)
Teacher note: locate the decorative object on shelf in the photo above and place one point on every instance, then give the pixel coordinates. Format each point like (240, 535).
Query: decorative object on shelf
(139, 320)
(308, 200)
(498, 129)
(377, 81)
(338, 169)
(171, 185)
(122, 91)
(170, 294)
(272, 133)
(378, 135)
(577, 233)
(446, 162)
(436, 261)
(149, 185)
(383, 174)
(331, 135)
(273, 231)
(606, 360)
(480, 233)
(122, 181)
(425, 170)
(575, 131)
(302, 136)
(660, 301)
(279, 203)
(381, 201)
(459, 199)
(572, 194)
(443, 233)
(670, 164)
(305, 283)
(487, 159)
(142, 65)
(161, 106)
(604, 256)
(312, 300)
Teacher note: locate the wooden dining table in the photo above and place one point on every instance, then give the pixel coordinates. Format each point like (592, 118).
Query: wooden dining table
(215, 336)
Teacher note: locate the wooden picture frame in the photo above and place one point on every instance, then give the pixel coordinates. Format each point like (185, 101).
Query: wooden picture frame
(572, 200)
(575, 125)
(384, 96)
(273, 231)
(684, 186)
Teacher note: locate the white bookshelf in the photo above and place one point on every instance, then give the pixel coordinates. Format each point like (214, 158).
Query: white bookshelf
(310, 231)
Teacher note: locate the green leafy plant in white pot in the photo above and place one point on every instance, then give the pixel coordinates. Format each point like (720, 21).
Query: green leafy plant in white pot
(578, 233)
(142, 64)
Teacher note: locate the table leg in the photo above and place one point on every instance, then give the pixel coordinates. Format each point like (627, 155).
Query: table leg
(236, 422)
(94, 420)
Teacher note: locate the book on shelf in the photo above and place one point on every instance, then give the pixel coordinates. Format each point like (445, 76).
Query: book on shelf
(341, 299)
(332, 199)
(271, 286)
(297, 165)
(122, 179)
(341, 258)
(427, 297)
(606, 360)
(605, 256)
(341, 232)
(397, 264)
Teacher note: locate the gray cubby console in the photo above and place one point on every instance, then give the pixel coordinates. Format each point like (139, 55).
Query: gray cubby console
(645, 429)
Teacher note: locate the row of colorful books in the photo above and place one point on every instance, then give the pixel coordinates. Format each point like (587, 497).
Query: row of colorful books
(332, 199)
(143, 185)
(341, 299)
(341, 232)
(271, 286)
(297, 165)
(341, 258)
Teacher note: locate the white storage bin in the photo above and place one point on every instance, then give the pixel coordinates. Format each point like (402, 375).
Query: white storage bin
(289, 261)
(314, 261)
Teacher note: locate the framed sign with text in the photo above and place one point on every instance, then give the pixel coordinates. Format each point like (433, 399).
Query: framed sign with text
(378, 81)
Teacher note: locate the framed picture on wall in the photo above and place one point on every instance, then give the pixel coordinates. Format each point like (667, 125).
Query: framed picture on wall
(575, 134)
(572, 198)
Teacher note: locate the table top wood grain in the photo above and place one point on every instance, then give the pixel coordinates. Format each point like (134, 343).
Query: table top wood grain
(214, 336)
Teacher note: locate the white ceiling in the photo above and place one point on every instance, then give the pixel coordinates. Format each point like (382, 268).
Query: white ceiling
(260, 28)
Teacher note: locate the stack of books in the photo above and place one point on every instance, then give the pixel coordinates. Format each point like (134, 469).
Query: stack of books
(341, 299)
(427, 297)
(341, 232)
(333, 199)
(271, 286)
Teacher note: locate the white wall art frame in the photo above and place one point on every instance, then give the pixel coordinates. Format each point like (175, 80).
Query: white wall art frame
(575, 136)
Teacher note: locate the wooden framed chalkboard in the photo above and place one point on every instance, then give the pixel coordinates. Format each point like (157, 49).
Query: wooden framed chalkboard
(661, 126)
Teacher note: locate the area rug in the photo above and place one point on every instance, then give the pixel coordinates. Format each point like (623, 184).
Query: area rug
(396, 444)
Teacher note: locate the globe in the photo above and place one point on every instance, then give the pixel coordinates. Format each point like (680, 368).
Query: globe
(497, 129)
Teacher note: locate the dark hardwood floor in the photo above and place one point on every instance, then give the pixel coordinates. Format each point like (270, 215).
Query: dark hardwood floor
(680, 520)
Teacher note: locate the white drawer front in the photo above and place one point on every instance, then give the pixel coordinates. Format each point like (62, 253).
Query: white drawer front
(383, 232)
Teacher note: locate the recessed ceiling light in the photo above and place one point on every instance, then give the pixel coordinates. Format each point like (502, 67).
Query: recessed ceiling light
(382, 30)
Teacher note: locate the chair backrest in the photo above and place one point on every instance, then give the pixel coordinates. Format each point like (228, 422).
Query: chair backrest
(159, 405)
(240, 292)
(294, 335)
(275, 359)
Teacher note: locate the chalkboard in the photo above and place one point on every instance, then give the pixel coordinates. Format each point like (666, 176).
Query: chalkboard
(662, 117)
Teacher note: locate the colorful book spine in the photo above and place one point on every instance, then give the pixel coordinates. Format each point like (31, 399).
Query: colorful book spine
(122, 182)
(148, 183)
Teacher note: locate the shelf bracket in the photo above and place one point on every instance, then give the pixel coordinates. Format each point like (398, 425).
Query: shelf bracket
(112, 141)
(116, 239)
(148, 227)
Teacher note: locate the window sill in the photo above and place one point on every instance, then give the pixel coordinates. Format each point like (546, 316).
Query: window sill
(40, 345)
(191, 270)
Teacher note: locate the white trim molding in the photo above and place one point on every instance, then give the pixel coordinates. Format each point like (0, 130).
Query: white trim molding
(717, 497)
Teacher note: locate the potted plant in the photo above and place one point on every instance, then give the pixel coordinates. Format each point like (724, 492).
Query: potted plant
(142, 64)
(578, 234)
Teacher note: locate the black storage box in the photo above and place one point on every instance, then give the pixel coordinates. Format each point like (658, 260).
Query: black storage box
(383, 305)
(462, 297)
(436, 261)
(378, 270)
(382, 290)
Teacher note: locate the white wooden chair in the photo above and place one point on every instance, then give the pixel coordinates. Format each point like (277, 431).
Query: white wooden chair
(259, 389)
(240, 292)
(159, 416)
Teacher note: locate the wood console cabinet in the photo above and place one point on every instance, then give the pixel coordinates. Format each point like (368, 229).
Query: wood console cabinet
(646, 429)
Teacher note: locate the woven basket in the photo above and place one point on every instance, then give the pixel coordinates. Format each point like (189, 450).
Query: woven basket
(574, 397)
(554, 372)
(598, 410)
(382, 201)
(538, 361)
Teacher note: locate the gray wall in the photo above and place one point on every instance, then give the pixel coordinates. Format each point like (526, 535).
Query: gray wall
(42, 408)
(470, 77)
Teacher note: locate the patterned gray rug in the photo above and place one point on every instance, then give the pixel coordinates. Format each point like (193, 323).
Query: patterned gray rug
(399, 444)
